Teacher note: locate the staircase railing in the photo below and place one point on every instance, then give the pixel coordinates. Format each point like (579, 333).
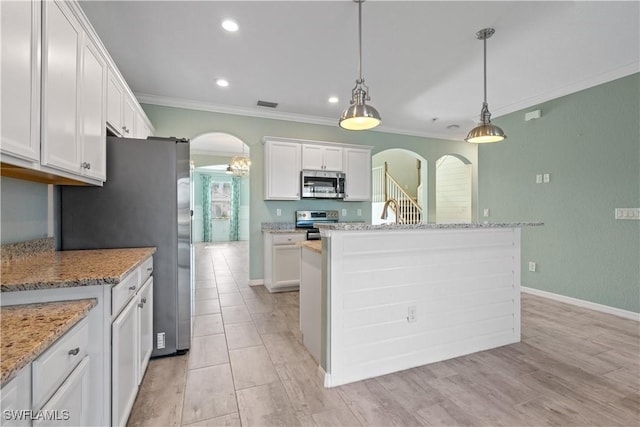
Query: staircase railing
(385, 187)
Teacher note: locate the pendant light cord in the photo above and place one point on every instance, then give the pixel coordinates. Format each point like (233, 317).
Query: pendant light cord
(360, 39)
(485, 69)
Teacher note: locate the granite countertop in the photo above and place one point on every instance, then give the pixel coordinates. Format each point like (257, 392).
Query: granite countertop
(28, 330)
(427, 226)
(281, 227)
(314, 245)
(65, 269)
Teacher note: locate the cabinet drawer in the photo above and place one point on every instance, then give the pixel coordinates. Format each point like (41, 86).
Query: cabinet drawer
(124, 291)
(146, 269)
(51, 368)
(288, 239)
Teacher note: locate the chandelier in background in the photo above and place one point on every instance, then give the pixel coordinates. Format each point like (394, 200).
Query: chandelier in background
(239, 165)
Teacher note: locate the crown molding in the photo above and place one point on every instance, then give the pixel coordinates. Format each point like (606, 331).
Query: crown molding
(144, 98)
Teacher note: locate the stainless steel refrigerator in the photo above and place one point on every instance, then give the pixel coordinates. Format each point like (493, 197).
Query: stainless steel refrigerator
(144, 202)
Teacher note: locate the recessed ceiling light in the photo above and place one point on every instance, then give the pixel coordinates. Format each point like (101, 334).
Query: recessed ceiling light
(222, 82)
(333, 99)
(230, 25)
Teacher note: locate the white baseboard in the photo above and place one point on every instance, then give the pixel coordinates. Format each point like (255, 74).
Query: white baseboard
(256, 282)
(582, 303)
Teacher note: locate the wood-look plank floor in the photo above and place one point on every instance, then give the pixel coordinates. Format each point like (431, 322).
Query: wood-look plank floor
(247, 366)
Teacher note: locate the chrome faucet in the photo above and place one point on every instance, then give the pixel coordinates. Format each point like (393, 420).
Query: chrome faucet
(386, 207)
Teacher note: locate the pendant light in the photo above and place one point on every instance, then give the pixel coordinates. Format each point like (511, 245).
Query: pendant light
(359, 115)
(485, 132)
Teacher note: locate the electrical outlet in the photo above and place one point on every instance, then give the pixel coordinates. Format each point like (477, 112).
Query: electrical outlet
(412, 314)
(278, 212)
(344, 212)
(532, 266)
(160, 340)
(485, 212)
(359, 212)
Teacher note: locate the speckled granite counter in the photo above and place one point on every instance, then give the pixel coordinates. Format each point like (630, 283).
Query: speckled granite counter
(281, 227)
(314, 245)
(65, 269)
(429, 226)
(28, 330)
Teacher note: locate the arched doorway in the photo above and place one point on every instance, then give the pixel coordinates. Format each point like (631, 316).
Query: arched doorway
(401, 175)
(454, 187)
(220, 196)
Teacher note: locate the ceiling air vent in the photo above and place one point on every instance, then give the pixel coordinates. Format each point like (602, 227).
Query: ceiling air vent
(267, 104)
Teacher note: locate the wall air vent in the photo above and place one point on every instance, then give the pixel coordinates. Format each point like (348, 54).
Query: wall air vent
(267, 104)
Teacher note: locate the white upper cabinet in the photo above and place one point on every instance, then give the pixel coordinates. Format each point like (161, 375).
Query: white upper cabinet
(20, 79)
(282, 170)
(321, 157)
(92, 112)
(357, 180)
(61, 51)
(115, 97)
(57, 96)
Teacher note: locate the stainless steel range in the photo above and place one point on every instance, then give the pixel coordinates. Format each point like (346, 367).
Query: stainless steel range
(306, 220)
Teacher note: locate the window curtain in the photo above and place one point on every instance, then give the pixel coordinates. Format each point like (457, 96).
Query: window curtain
(206, 207)
(235, 208)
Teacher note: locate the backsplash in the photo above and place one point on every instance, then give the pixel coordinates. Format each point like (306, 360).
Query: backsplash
(14, 251)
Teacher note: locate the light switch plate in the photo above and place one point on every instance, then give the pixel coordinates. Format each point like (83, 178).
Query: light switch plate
(539, 178)
(344, 212)
(485, 212)
(546, 178)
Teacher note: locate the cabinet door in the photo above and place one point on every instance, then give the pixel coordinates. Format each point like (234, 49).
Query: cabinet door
(124, 362)
(16, 396)
(358, 174)
(145, 327)
(115, 98)
(128, 117)
(62, 36)
(312, 157)
(20, 78)
(333, 159)
(286, 265)
(282, 171)
(69, 406)
(92, 118)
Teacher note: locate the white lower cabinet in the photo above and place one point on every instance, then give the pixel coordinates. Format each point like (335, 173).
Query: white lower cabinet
(15, 398)
(145, 327)
(282, 261)
(69, 406)
(131, 340)
(124, 372)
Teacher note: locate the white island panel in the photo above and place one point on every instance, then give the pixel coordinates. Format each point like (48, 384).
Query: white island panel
(462, 283)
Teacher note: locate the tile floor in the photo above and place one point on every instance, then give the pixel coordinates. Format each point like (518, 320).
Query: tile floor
(247, 366)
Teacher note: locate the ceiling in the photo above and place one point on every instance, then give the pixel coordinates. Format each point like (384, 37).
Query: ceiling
(421, 59)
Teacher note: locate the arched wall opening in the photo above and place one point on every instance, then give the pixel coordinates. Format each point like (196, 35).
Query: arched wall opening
(220, 200)
(454, 189)
(409, 170)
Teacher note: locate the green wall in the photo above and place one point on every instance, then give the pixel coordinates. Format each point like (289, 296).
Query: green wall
(191, 123)
(590, 144)
(23, 210)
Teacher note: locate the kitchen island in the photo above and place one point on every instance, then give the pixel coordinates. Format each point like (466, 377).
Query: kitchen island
(398, 296)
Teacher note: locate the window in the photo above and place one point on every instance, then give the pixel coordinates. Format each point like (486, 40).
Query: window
(220, 200)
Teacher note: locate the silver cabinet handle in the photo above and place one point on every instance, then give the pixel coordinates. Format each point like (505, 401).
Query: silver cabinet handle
(85, 165)
(140, 304)
(149, 270)
(132, 288)
(144, 300)
(74, 351)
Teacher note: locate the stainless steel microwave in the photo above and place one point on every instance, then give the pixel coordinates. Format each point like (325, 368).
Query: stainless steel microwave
(317, 184)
